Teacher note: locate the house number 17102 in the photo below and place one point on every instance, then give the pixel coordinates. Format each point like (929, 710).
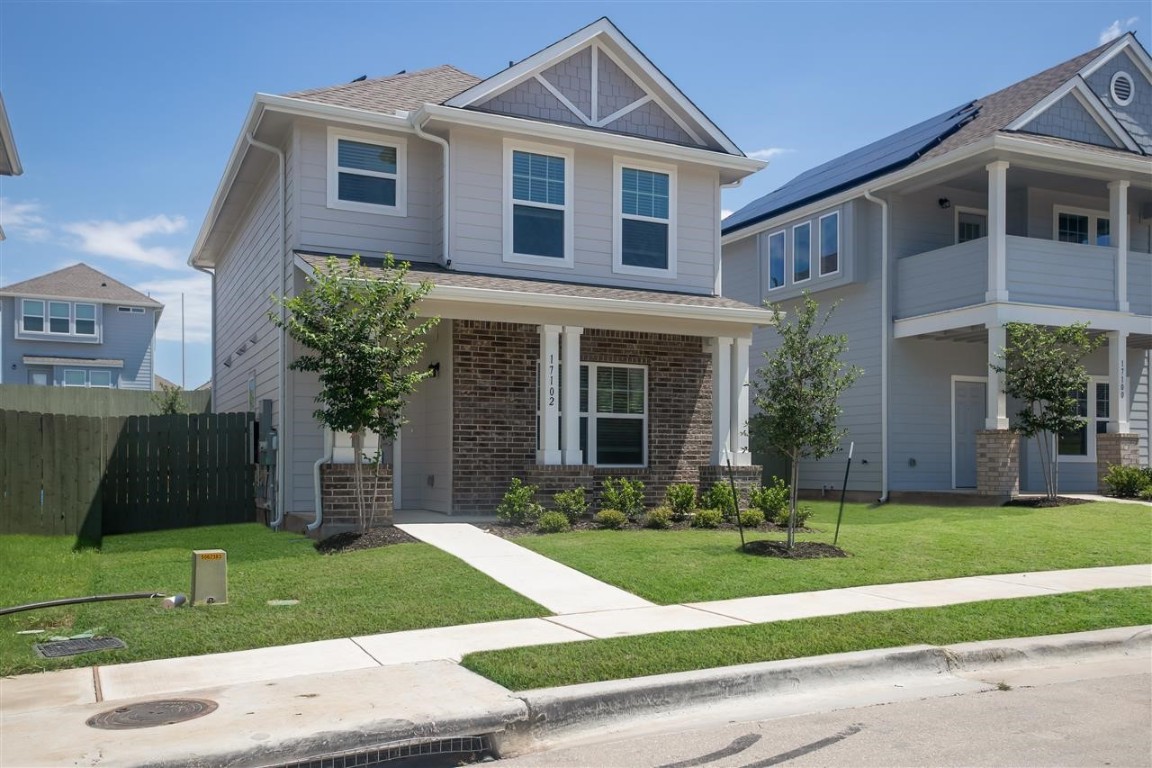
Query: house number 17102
(551, 379)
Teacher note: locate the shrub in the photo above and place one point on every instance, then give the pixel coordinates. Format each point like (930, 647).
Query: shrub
(553, 522)
(707, 518)
(719, 497)
(1127, 482)
(1146, 494)
(624, 495)
(802, 515)
(611, 518)
(751, 518)
(571, 504)
(518, 505)
(660, 517)
(770, 499)
(681, 499)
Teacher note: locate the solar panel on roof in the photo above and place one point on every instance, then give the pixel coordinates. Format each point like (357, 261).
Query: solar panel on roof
(859, 165)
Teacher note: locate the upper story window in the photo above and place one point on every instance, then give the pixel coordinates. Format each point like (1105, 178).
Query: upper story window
(830, 244)
(971, 224)
(801, 252)
(1083, 227)
(538, 205)
(58, 318)
(367, 173)
(645, 220)
(776, 248)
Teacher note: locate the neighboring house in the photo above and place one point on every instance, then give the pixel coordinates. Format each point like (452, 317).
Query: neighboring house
(565, 209)
(77, 327)
(1033, 204)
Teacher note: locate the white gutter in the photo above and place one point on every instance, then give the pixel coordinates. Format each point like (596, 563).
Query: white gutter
(885, 336)
(318, 520)
(419, 119)
(282, 355)
(212, 349)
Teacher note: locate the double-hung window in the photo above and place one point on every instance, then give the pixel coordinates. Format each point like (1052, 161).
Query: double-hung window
(32, 316)
(1082, 227)
(776, 247)
(538, 205)
(801, 252)
(830, 244)
(613, 414)
(367, 173)
(58, 318)
(644, 231)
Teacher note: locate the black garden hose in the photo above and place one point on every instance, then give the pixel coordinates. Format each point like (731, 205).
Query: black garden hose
(76, 600)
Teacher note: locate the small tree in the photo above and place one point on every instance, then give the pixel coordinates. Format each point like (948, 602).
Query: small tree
(169, 399)
(365, 343)
(1042, 369)
(797, 392)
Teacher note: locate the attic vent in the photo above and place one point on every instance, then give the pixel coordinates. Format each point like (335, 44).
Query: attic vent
(1122, 88)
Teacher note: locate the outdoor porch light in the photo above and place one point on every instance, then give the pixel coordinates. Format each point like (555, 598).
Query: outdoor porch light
(944, 203)
(435, 368)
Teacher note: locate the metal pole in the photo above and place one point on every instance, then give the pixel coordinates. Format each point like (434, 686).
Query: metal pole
(843, 490)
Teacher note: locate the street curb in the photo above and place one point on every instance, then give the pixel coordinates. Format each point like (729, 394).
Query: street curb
(554, 711)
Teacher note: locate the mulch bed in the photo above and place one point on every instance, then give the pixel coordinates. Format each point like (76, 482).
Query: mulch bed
(351, 541)
(509, 531)
(801, 550)
(1043, 502)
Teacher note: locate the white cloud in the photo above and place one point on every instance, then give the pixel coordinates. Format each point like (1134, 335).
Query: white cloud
(197, 292)
(23, 219)
(725, 213)
(122, 239)
(769, 153)
(1117, 28)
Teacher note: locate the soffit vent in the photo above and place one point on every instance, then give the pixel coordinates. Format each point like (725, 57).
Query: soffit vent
(1121, 88)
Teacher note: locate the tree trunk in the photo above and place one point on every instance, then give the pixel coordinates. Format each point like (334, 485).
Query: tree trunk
(792, 499)
(358, 474)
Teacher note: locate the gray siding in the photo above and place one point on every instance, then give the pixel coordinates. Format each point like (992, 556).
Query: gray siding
(1066, 274)
(740, 275)
(426, 440)
(1140, 400)
(416, 236)
(650, 121)
(532, 100)
(573, 78)
(1140, 282)
(1069, 119)
(1136, 117)
(478, 218)
(948, 278)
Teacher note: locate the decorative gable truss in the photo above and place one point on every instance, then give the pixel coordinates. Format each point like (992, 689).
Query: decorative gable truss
(597, 79)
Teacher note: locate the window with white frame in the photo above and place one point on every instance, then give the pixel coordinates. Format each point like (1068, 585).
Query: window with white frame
(100, 379)
(538, 205)
(830, 244)
(776, 248)
(367, 173)
(75, 378)
(971, 224)
(58, 318)
(801, 252)
(613, 414)
(1095, 409)
(1084, 227)
(32, 316)
(645, 219)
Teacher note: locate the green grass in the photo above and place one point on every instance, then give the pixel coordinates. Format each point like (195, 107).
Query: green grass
(407, 586)
(589, 661)
(887, 544)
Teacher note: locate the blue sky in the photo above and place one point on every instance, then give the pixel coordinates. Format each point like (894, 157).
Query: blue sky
(124, 112)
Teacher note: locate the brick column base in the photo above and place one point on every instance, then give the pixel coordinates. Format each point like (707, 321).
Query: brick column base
(746, 477)
(338, 495)
(997, 463)
(550, 479)
(1115, 448)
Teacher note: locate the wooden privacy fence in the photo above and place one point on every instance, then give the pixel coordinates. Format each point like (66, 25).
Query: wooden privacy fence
(88, 476)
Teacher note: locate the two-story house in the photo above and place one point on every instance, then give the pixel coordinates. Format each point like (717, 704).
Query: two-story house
(566, 211)
(77, 327)
(1032, 204)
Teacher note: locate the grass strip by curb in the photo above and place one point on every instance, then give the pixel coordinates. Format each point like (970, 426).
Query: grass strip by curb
(545, 666)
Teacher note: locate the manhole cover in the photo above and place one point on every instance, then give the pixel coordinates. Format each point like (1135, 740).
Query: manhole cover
(149, 714)
(60, 648)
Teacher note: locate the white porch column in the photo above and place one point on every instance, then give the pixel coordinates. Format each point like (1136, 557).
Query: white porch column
(571, 389)
(1118, 381)
(738, 436)
(997, 415)
(1118, 236)
(997, 231)
(721, 398)
(549, 451)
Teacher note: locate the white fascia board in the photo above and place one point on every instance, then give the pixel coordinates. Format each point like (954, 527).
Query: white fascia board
(1126, 43)
(1137, 165)
(577, 135)
(1090, 101)
(1011, 312)
(9, 142)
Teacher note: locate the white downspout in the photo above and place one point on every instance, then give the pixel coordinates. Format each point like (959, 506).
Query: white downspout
(318, 520)
(281, 387)
(884, 340)
(212, 349)
(418, 122)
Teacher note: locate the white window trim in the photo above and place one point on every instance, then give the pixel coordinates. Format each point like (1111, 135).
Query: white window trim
(64, 377)
(959, 209)
(21, 330)
(820, 245)
(618, 265)
(398, 143)
(132, 310)
(1090, 458)
(90, 338)
(592, 414)
(783, 233)
(511, 146)
(111, 380)
(793, 250)
(1112, 88)
(1093, 217)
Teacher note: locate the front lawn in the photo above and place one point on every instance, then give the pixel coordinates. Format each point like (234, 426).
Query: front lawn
(887, 544)
(407, 586)
(544, 666)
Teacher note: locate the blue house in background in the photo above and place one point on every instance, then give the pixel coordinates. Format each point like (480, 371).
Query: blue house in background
(77, 327)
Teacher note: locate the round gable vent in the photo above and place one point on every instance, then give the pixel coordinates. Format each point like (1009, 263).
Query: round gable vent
(1122, 88)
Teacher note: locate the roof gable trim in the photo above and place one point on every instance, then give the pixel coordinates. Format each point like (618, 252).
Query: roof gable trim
(1090, 101)
(1127, 44)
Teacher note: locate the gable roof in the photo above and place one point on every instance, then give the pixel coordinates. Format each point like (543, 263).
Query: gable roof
(945, 133)
(80, 281)
(402, 92)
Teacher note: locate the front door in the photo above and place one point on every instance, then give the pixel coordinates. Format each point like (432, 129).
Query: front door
(968, 409)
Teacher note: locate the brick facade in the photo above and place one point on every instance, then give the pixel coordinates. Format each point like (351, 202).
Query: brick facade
(338, 495)
(997, 463)
(1115, 448)
(745, 478)
(494, 410)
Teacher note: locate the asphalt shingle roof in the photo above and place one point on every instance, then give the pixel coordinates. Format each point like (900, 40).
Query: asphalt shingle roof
(405, 92)
(80, 281)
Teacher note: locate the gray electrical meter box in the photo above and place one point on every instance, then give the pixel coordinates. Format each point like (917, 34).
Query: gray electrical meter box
(209, 576)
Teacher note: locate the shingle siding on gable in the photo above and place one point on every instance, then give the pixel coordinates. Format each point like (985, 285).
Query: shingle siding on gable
(1068, 119)
(573, 78)
(615, 90)
(652, 122)
(1136, 117)
(532, 100)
